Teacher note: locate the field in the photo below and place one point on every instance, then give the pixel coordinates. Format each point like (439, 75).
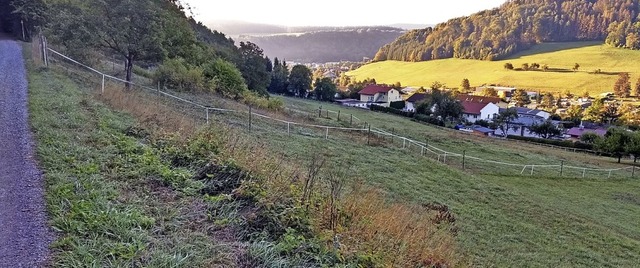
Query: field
(502, 218)
(560, 57)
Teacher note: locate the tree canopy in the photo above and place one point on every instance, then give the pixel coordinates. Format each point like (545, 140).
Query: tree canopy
(516, 26)
(300, 80)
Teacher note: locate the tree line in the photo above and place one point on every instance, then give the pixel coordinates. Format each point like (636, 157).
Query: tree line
(516, 26)
(156, 35)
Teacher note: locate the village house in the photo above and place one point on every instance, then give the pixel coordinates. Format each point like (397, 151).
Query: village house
(479, 107)
(411, 103)
(379, 94)
(576, 133)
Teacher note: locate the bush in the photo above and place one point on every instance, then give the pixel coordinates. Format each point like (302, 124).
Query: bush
(560, 143)
(177, 74)
(253, 99)
(429, 119)
(379, 108)
(397, 105)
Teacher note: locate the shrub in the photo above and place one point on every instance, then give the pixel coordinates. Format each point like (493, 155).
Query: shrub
(179, 75)
(253, 99)
(225, 78)
(397, 105)
(429, 119)
(379, 108)
(561, 143)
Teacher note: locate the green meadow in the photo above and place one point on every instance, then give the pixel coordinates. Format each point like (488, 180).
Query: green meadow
(560, 57)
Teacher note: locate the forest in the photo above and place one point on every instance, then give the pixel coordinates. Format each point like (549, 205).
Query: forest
(517, 25)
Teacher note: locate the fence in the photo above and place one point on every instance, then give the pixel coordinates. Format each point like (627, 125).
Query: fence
(373, 135)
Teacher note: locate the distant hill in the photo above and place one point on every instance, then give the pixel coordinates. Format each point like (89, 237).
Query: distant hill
(516, 26)
(332, 45)
(311, 43)
(560, 58)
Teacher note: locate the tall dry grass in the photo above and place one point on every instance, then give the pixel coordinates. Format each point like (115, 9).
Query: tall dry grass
(393, 234)
(397, 235)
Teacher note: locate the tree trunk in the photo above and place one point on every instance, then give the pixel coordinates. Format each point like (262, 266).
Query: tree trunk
(129, 70)
(619, 158)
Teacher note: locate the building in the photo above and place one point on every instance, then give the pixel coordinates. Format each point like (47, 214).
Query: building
(532, 113)
(479, 107)
(379, 94)
(503, 92)
(352, 103)
(576, 132)
(411, 103)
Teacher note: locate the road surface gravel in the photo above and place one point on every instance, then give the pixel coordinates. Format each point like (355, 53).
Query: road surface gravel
(24, 233)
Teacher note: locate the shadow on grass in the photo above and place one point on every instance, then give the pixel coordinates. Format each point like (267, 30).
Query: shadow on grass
(552, 47)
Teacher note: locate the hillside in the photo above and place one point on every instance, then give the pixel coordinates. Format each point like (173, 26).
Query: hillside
(516, 26)
(330, 45)
(560, 57)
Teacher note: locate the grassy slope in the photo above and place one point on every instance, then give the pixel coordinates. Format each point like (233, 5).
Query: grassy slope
(504, 220)
(589, 55)
(106, 191)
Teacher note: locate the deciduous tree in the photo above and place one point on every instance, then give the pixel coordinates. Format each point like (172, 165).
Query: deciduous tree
(615, 142)
(505, 119)
(324, 89)
(622, 87)
(520, 98)
(545, 130)
(465, 84)
(300, 81)
(254, 68)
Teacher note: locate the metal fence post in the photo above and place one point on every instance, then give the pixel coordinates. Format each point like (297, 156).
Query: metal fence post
(561, 167)
(464, 153)
(102, 83)
(351, 121)
(250, 117)
(532, 170)
(207, 111)
(338, 115)
(288, 128)
(633, 171)
(368, 134)
(326, 135)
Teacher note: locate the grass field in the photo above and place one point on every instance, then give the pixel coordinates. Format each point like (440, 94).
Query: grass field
(560, 57)
(504, 219)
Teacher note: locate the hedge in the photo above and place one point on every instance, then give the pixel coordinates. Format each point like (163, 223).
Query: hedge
(429, 119)
(379, 108)
(561, 143)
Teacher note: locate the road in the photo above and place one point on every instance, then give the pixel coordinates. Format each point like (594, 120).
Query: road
(24, 233)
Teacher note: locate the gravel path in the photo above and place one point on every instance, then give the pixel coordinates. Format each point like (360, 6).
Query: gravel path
(24, 235)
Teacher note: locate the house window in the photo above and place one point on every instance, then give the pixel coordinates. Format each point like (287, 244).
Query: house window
(370, 98)
(475, 116)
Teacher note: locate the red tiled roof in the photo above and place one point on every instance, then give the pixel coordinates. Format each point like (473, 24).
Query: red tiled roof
(417, 97)
(374, 89)
(478, 99)
(473, 107)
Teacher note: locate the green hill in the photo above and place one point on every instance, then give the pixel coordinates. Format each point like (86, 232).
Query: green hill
(516, 26)
(560, 57)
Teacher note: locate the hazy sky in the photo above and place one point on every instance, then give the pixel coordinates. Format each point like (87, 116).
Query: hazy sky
(337, 12)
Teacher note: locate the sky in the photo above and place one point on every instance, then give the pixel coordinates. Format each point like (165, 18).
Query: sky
(336, 12)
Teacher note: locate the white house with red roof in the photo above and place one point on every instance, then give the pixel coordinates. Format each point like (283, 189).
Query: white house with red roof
(379, 94)
(479, 107)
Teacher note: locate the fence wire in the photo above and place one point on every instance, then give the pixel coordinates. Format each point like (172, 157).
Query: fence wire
(187, 104)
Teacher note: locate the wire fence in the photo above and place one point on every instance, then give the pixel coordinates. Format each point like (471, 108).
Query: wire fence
(351, 127)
